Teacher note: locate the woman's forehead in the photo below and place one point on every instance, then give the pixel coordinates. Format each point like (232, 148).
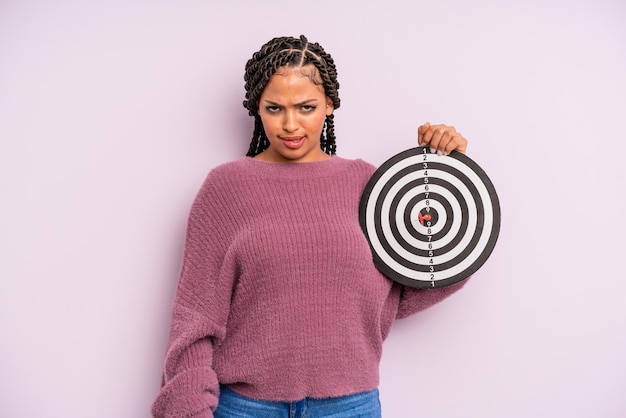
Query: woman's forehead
(308, 70)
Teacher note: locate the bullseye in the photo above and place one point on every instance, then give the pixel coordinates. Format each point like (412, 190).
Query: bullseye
(425, 217)
(431, 220)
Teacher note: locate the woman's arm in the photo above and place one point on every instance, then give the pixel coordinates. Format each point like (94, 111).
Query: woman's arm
(416, 300)
(190, 386)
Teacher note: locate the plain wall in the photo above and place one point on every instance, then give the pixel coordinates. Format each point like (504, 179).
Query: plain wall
(112, 113)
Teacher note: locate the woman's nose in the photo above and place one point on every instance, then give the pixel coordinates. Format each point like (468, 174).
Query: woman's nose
(290, 121)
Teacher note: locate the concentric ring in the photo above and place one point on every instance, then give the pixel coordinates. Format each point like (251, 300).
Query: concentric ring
(431, 220)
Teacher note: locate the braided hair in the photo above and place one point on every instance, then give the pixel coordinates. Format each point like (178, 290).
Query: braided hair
(289, 52)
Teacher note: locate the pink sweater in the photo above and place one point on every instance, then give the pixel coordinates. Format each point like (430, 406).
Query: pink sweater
(278, 296)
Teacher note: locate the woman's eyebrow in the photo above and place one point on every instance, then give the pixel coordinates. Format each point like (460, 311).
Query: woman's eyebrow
(297, 104)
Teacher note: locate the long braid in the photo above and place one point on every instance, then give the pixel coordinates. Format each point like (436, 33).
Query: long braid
(327, 142)
(289, 52)
(259, 139)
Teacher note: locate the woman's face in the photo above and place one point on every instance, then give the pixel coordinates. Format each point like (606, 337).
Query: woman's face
(293, 110)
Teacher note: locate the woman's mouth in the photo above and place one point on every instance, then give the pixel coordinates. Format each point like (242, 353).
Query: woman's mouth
(292, 142)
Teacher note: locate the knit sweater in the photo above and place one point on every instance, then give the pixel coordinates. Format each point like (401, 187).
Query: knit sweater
(278, 296)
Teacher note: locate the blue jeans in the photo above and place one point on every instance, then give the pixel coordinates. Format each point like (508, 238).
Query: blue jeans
(361, 405)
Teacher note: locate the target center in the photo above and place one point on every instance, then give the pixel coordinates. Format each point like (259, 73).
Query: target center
(427, 216)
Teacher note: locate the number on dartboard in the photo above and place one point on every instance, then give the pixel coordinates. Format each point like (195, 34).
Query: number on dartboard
(428, 224)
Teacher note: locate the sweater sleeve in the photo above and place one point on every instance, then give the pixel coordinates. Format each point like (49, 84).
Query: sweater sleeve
(190, 387)
(415, 300)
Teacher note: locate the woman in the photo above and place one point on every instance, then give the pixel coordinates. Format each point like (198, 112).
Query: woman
(279, 309)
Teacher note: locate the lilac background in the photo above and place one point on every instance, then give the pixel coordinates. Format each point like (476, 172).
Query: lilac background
(112, 112)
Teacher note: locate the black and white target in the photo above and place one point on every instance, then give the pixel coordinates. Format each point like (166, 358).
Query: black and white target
(431, 220)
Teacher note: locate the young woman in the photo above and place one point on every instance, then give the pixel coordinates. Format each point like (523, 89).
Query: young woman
(279, 310)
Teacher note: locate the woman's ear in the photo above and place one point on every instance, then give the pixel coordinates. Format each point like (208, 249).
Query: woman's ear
(329, 107)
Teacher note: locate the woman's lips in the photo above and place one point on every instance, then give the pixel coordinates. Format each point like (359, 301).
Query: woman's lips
(293, 142)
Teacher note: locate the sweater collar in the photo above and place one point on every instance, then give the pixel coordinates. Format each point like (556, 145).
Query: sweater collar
(322, 168)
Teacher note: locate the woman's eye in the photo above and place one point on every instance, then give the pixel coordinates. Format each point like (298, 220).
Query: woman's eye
(308, 108)
(272, 109)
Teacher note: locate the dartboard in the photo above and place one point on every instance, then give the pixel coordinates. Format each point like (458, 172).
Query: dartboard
(431, 220)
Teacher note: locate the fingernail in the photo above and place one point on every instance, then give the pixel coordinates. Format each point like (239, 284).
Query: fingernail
(432, 150)
(439, 153)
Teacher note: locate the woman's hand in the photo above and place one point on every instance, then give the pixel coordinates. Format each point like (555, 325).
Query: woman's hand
(442, 139)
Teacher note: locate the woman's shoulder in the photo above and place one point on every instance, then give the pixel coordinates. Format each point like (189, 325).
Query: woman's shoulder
(223, 177)
(230, 167)
(228, 172)
(362, 164)
(358, 164)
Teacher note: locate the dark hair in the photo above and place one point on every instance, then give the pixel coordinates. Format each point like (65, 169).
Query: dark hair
(289, 52)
